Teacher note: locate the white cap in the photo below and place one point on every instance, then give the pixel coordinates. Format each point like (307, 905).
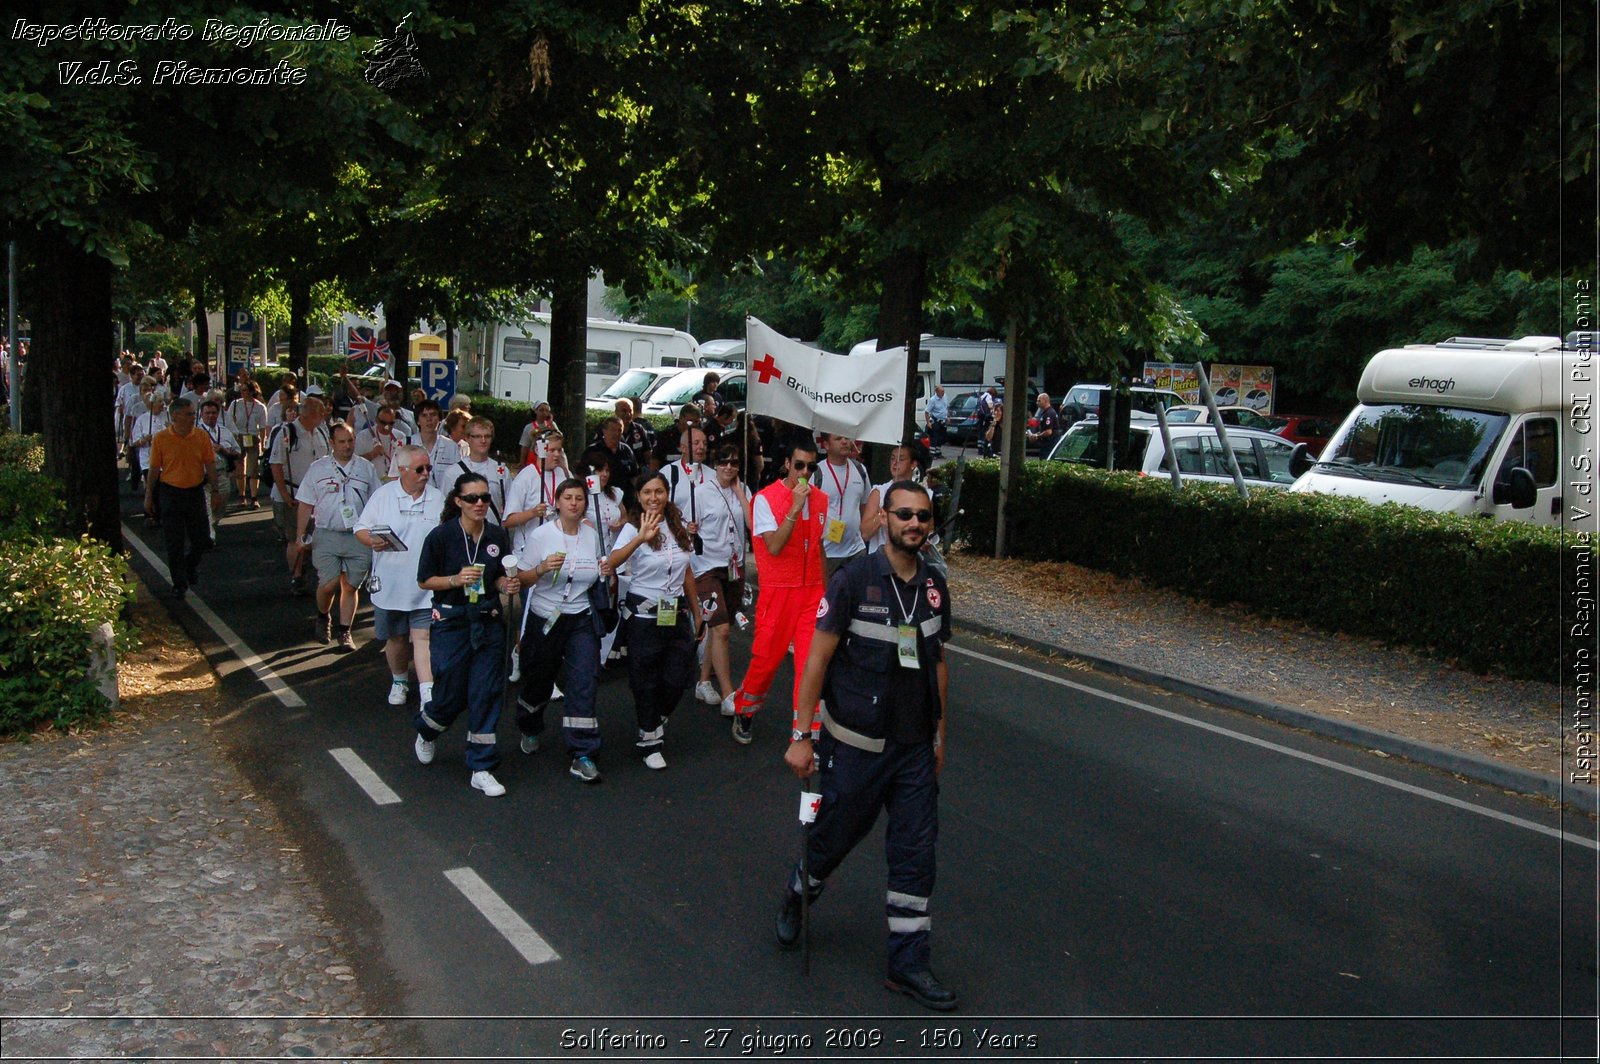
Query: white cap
(315, 389)
(394, 382)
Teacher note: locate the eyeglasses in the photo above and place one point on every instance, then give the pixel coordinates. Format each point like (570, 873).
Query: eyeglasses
(479, 436)
(422, 469)
(728, 461)
(386, 421)
(474, 500)
(800, 467)
(905, 513)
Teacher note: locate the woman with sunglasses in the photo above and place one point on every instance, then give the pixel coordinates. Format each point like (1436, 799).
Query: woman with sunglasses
(719, 573)
(463, 562)
(560, 562)
(662, 611)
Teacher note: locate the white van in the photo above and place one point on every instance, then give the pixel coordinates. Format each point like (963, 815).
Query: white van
(519, 365)
(959, 365)
(1466, 426)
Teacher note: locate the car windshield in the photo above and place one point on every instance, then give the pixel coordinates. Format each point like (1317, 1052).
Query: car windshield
(1442, 447)
(1081, 444)
(631, 385)
(690, 387)
(1183, 417)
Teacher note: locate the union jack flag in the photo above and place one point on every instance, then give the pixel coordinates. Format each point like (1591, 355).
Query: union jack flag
(363, 345)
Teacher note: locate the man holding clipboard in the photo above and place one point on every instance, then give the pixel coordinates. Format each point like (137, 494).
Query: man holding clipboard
(394, 523)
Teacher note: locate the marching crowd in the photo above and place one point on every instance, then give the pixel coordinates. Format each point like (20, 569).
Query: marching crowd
(537, 572)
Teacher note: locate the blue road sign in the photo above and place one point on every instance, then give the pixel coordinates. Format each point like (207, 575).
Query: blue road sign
(242, 321)
(438, 379)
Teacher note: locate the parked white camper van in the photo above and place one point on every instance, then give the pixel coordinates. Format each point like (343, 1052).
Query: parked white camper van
(959, 365)
(1466, 426)
(520, 366)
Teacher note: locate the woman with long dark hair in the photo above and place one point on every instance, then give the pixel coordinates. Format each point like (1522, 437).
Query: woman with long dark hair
(662, 608)
(559, 627)
(464, 563)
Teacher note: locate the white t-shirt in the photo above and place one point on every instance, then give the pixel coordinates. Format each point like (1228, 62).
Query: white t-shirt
(145, 427)
(338, 493)
(129, 401)
(652, 573)
(881, 536)
(683, 479)
(246, 417)
(531, 488)
(443, 456)
(566, 590)
(610, 505)
(308, 447)
(721, 527)
(498, 474)
(763, 520)
(846, 489)
(411, 519)
(223, 440)
(383, 463)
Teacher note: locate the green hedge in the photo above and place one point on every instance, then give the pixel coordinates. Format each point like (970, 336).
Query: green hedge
(1485, 594)
(55, 593)
(145, 345)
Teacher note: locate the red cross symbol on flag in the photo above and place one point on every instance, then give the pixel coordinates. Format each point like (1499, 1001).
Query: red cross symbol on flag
(766, 369)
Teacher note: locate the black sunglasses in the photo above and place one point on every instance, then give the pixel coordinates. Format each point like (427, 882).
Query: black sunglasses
(423, 469)
(906, 513)
(475, 498)
(800, 467)
(728, 461)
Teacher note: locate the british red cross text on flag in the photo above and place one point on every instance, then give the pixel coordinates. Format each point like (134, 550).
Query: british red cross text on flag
(862, 396)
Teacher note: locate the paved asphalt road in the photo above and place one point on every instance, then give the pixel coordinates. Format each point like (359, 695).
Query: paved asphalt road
(1122, 872)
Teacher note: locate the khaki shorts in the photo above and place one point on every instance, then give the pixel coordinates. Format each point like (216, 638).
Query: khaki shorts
(283, 514)
(339, 552)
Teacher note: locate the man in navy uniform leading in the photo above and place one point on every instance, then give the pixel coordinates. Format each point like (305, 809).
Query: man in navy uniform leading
(877, 664)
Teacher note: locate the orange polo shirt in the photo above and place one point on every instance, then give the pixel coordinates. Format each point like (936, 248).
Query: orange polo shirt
(183, 460)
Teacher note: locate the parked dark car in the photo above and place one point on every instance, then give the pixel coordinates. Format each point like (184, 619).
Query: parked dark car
(961, 427)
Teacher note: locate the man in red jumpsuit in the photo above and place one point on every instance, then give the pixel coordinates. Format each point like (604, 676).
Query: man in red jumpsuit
(786, 526)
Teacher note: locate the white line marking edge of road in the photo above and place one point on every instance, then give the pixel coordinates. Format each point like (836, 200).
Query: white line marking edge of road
(502, 917)
(365, 777)
(271, 680)
(1229, 733)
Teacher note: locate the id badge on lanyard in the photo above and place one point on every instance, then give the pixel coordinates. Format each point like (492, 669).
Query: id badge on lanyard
(666, 613)
(906, 646)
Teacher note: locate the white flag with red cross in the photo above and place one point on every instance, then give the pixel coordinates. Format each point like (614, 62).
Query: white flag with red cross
(861, 396)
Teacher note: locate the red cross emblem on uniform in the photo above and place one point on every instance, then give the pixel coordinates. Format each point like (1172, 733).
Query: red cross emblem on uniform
(766, 369)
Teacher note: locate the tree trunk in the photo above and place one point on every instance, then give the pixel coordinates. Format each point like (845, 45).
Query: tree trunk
(399, 314)
(900, 323)
(300, 327)
(1013, 426)
(71, 312)
(202, 336)
(569, 343)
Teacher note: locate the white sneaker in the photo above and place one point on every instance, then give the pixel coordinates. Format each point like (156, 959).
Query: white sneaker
(529, 744)
(706, 691)
(727, 706)
(555, 693)
(398, 690)
(485, 782)
(516, 668)
(655, 761)
(424, 750)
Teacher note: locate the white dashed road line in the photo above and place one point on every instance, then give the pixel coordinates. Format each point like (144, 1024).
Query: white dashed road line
(524, 939)
(365, 778)
(282, 691)
(1373, 777)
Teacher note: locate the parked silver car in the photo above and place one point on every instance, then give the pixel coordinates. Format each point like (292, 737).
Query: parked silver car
(1263, 457)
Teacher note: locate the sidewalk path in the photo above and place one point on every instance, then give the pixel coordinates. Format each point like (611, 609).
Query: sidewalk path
(139, 878)
(1170, 640)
